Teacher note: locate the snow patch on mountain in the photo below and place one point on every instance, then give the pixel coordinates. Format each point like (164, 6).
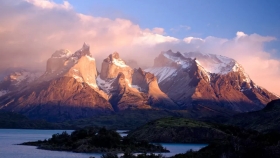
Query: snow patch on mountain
(18, 77)
(161, 72)
(128, 82)
(104, 85)
(214, 63)
(177, 60)
(90, 58)
(119, 62)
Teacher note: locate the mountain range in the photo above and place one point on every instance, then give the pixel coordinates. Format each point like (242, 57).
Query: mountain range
(72, 88)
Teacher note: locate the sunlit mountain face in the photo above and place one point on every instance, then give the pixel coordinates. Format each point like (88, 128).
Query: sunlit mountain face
(28, 40)
(72, 88)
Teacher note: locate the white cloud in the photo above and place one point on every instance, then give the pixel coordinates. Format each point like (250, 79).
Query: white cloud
(150, 39)
(240, 34)
(31, 30)
(189, 40)
(48, 4)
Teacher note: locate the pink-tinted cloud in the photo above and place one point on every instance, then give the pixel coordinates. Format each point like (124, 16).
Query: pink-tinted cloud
(31, 30)
(249, 51)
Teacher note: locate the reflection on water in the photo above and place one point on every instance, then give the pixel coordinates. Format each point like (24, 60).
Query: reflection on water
(10, 137)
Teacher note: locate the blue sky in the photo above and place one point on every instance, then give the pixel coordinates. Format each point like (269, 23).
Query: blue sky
(203, 18)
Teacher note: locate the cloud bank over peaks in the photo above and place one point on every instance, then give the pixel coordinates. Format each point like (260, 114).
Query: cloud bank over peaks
(31, 30)
(246, 49)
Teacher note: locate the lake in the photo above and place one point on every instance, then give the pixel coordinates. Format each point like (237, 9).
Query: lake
(10, 137)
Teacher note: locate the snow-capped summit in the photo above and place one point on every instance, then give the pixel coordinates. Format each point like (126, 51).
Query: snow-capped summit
(213, 63)
(208, 79)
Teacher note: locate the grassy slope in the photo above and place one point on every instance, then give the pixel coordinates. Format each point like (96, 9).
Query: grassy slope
(180, 130)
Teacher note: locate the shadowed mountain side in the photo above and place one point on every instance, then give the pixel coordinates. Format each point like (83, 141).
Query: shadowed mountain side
(57, 100)
(124, 97)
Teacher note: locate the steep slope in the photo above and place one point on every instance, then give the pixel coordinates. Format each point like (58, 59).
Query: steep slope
(67, 90)
(147, 83)
(129, 89)
(208, 82)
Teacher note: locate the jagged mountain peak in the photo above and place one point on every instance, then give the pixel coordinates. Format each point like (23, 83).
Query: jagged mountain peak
(84, 51)
(79, 65)
(171, 54)
(115, 59)
(113, 65)
(114, 55)
(194, 77)
(172, 59)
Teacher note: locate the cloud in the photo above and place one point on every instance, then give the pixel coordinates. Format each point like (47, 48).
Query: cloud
(46, 4)
(249, 51)
(189, 40)
(31, 30)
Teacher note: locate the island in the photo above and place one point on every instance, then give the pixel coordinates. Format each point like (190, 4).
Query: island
(95, 140)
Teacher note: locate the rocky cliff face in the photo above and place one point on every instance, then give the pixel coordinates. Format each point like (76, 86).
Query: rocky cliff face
(212, 82)
(71, 87)
(113, 65)
(131, 89)
(79, 65)
(147, 83)
(67, 90)
(57, 100)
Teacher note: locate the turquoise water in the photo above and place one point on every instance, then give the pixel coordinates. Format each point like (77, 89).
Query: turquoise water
(10, 137)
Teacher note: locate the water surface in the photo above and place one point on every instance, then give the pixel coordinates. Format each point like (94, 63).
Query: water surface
(10, 137)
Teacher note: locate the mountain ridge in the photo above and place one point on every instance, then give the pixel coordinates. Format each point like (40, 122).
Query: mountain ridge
(228, 85)
(178, 81)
